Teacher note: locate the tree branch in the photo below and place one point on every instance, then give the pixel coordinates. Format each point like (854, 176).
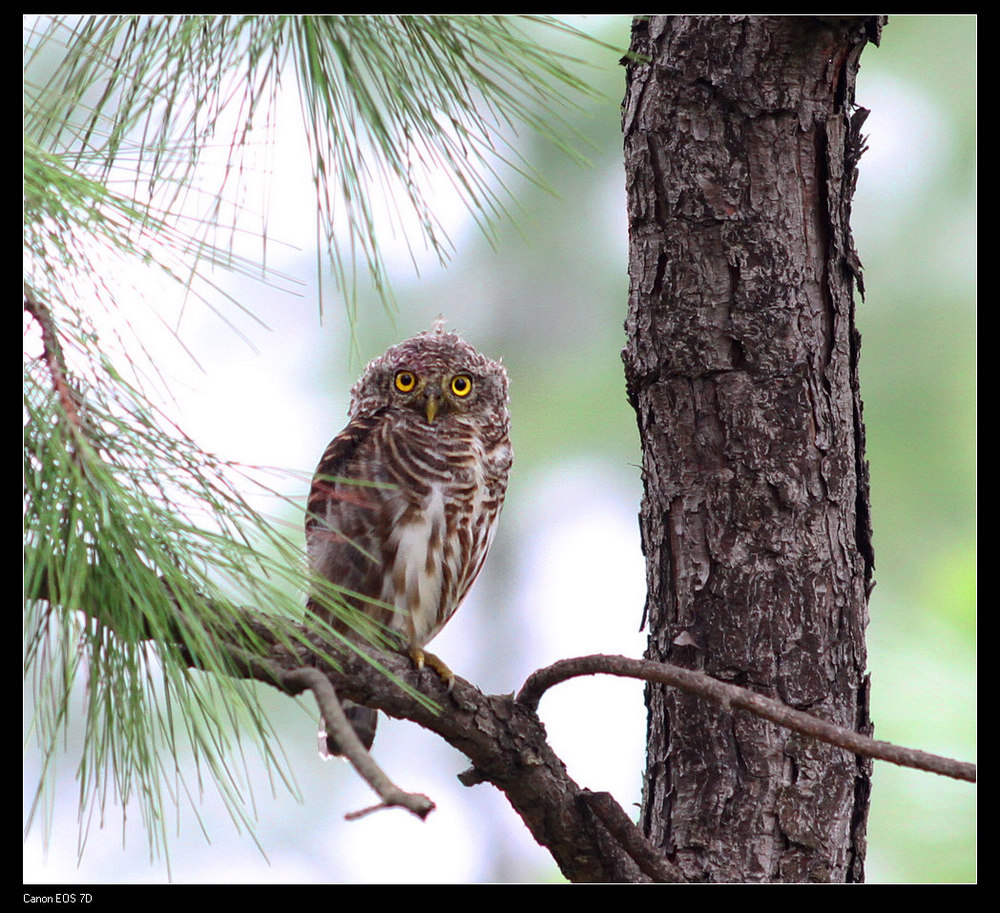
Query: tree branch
(588, 834)
(55, 362)
(613, 817)
(728, 695)
(591, 839)
(296, 680)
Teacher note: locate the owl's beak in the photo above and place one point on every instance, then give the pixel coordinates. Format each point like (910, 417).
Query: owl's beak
(432, 404)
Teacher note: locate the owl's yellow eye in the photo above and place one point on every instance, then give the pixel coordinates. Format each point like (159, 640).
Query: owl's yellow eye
(461, 385)
(405, 381)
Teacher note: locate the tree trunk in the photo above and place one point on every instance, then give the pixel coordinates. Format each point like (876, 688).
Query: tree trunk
(741, 145)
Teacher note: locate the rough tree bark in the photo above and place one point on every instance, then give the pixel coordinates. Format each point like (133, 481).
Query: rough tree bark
(741, 144)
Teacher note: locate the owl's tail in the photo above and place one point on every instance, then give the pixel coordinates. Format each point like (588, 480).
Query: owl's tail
(362, 719)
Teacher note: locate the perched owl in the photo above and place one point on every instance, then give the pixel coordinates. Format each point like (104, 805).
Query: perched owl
(405, 500)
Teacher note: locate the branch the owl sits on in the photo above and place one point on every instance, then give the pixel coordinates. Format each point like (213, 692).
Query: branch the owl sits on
(405, 500)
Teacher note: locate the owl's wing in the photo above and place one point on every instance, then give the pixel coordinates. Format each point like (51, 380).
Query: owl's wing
(344, 516)
(334, 466)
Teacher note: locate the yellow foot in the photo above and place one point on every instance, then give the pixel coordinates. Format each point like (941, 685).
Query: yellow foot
(421, 659)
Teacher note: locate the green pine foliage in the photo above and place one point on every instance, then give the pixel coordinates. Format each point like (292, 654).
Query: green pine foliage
(140, 548)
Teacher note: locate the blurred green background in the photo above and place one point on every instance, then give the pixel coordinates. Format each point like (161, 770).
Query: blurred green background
(565, 576)
(915, 227)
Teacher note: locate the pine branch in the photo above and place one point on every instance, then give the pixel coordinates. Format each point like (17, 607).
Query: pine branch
(728, 696)
(150, 97)
(131, 531)
(337, 726)
(588, 834)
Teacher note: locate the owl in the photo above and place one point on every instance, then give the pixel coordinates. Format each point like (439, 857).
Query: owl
(405, 500)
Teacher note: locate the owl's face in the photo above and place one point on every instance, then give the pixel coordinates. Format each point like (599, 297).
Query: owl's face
(438, 377)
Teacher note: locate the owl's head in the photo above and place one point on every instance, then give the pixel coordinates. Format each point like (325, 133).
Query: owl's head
(436, 375)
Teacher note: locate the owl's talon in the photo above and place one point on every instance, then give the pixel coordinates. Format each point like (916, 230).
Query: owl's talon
(421, 658)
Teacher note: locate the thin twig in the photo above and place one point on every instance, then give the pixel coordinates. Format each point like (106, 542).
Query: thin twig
(350, 745)
(728, 695)
(55, 361)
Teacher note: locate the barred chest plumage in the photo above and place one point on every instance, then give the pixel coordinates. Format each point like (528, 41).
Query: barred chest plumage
(422, 531)
(442, 515)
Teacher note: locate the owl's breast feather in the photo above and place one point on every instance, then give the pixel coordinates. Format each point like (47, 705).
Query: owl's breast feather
(415, 584)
